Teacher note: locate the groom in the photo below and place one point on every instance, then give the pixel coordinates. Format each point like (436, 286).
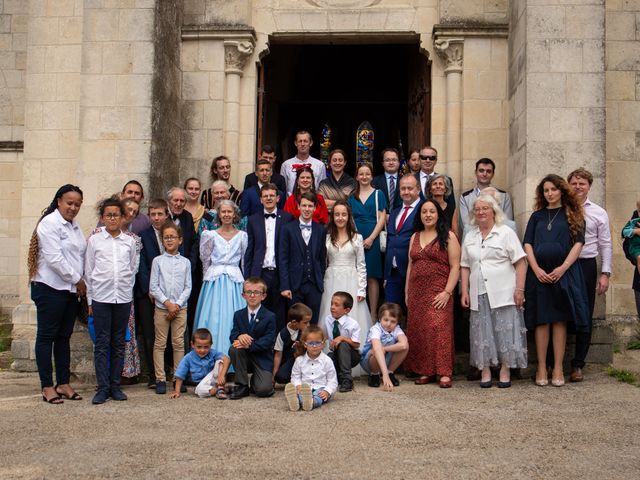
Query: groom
(303, 258)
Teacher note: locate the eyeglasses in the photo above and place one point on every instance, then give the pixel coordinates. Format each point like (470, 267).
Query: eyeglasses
(112, 216)
(428, 157)
(170, 237)
(253, 293)
(312, 344)
(482, 209)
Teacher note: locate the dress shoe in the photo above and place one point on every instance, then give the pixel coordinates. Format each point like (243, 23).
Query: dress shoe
(161, 388)
(576, 375)
(118, 395)
(425, 379)
(100, 397)
(346, 385)
(557, 382)
(487, 384)
(504, 384)
(445, 383)
(394, 380)
(239, 391)
(374, 380)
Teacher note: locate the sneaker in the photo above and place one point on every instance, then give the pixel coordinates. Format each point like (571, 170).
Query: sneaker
(394, 381)
(346, 385)
(118, 395)
(374, 380)
(292, 397)
(307, 397)
(100, 397)
(161, 388)
(183, 387)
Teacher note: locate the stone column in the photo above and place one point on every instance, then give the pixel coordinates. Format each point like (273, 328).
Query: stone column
(236, 53)
(451, 51)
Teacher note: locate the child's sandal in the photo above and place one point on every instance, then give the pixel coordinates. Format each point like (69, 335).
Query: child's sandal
(221, 393)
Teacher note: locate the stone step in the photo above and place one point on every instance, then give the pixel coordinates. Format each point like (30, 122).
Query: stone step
(6, 328)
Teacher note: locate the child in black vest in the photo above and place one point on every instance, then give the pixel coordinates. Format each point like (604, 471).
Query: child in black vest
(298, 317)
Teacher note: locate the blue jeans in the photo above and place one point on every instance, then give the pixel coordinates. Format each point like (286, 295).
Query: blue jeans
(56, 314)
(317, 399)
(110, 321)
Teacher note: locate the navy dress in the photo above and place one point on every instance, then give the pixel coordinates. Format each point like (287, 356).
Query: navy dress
(565, 300)
(364, 216)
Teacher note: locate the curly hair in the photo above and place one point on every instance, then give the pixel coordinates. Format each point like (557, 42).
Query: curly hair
(34, 246)
(572, 208)
(442, 228)
(332, 228)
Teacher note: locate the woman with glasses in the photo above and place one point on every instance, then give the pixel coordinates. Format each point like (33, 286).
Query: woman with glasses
(221, 252)
(493, 273)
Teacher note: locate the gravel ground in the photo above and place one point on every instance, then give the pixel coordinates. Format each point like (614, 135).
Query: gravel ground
(588, 430)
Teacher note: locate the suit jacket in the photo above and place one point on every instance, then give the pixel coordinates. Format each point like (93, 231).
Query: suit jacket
(291, 255)
(150, 250)
(398, 242)
(380, 182)
(257, 243)
(450, 199)
(252, 179)
(263, 334)
(250, 202)
(190, 242)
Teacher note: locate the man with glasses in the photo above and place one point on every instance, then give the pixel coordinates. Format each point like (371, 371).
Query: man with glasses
(428, 159)
(389, 181)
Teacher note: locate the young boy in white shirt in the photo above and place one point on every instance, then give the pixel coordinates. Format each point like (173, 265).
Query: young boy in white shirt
(343, 333)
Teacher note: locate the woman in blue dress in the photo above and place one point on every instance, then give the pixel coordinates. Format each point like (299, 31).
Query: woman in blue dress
(221, 252)
(554, 290)
(369, 213)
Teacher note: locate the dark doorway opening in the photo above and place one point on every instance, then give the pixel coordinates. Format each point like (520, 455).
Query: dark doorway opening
(303, 87)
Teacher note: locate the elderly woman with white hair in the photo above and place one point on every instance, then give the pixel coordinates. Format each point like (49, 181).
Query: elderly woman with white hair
(493, 277)
(219, 191)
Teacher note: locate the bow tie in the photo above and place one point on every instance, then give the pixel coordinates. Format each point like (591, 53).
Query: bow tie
(269, 215)
(303, 227)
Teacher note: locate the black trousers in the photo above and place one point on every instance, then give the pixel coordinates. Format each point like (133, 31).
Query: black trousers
(583, 339)
(274, 302)
(311, 296)
(243, 362)
(110, 320)
(145, 326)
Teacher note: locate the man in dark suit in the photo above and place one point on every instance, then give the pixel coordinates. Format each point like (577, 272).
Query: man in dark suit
(151, 248)
(252, 337)
(267, 153)
(399, 233)
(261, 259)
(428, 160)
(251, 202)
(303, 258)
(389, 181)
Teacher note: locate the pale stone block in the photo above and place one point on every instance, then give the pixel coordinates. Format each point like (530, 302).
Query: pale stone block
(68, 86)
(59, 115)
(620, 85)
(17, 131)
(565, 124)
(69, 144)
(136, 24)
(40, 144)
(63, 59)
(621, 146)
(438, 117)
(314, 21)
(372, 20)
(546, 90)
(21, 60)
(142, 57)
(620, 26)
(286, 21)
(193, 143)
(33, 115)
(593, 123)
(545, 22)
(346, 20)
(623, 55)
(60, 8)
(37, 8)
(145, 3)
(41, 87)
(215, 143)
(544, 157)
(593, 56)
(117, 57)
(585, 21)
(211, 56)
(488, 84)
(5, 40)
(92, 57)
(216, 85)
(100, 25)
(193, 114)
(585, 90)
(141, 123)
(589, 155)
(15, 6)
(99, 90)
(499, 54)
(493, 144)
(115, 123)
(7, 60)
(565, 55)
(19, 23)
(247, 120)
(134, 90)
(470, 143)
(97, 156)
(213, 114)
(399, 19)
(194, 7)
(56, 172)
(195, 86)
(19, 42)
(481, 114)
(31, 176)
(43, 31)
(132, 156)
(264, 23)
(15, 78)
(625, 175)
(477, 54)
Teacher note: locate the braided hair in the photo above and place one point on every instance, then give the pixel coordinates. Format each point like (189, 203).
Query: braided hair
(32, 256)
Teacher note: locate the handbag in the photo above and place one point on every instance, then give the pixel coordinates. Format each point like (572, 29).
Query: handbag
(383, 234)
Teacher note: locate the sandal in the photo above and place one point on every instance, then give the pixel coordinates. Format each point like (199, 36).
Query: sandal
(53, 400)
(74, 396)
(221, 393)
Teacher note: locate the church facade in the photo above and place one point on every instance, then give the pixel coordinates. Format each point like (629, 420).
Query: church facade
(97, 92)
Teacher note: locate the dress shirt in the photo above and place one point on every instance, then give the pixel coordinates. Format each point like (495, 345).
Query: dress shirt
(306, 232)
(255, 315)
(61, 252)
(110, 267)
(289, 170)
(411, 207)
(348, 328)
(279, 346)
(319, 373)
(198, 367)
(424, 178)
(597, 236)
(270, 235)
(170, 280)
(159, 240)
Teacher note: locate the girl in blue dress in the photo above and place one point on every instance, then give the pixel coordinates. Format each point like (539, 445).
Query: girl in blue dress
(369, 223)
(221, 252)
(554, 289)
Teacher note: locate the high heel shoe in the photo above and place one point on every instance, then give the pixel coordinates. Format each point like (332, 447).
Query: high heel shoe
(557, 382)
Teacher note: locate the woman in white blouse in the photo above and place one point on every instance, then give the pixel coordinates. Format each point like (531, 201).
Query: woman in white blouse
(493, 277)
(56, 260)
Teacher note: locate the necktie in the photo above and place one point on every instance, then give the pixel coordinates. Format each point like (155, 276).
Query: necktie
(336, 329)
(392, 189)
(305, 227)
(252, 320)
(402, 219)
(269, 215)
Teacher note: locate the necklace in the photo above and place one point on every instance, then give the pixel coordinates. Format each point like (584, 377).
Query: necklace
(550, 224)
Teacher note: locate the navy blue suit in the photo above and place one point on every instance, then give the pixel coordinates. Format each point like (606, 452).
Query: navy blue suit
(250, 202)
(306, 287)
(380, 182)
(398, 248)
(259, 355)
(278, 180)
(254, 259)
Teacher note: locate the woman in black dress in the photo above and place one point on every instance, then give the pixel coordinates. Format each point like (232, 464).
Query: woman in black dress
(554, 290)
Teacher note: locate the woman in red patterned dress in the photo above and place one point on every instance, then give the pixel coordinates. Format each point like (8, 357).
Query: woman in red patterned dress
(434, 266)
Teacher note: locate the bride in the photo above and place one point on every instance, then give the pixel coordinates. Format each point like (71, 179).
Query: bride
(346, 269)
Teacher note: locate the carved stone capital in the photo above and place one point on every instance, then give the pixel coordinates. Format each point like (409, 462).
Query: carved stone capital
(236, 53)
(451, 51)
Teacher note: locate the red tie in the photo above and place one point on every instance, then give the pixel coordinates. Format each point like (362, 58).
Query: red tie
(402, 219)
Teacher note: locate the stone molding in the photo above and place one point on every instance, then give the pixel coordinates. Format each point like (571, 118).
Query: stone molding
(12, 146)
(236, 54)
(343, 3)
(451, 50)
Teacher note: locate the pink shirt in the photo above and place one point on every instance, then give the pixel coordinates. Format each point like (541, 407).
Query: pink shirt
(597, 237)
